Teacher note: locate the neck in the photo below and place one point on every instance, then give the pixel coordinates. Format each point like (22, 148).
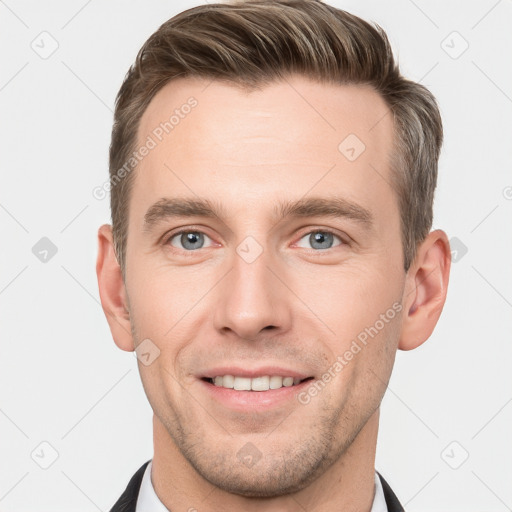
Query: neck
(347, 485)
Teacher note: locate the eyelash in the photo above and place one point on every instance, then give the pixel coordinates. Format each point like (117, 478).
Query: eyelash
(168, 238)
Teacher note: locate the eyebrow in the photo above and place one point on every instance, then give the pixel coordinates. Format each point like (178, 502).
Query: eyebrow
(333, 207)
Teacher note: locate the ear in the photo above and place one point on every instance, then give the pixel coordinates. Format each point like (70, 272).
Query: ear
(112, 290)
(425, 290)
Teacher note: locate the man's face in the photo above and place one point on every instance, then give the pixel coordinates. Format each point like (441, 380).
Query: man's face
(249, 292)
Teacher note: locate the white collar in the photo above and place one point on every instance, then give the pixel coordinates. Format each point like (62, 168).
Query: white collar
(148, 501)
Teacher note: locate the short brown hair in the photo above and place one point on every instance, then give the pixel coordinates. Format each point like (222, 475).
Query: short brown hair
(255, 42)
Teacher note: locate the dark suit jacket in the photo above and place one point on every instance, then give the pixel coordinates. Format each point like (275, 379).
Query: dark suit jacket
(128, 500)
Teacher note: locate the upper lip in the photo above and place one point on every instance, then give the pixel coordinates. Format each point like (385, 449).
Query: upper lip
(236, 371)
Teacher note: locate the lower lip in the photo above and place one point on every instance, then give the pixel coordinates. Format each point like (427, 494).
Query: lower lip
(251, 400)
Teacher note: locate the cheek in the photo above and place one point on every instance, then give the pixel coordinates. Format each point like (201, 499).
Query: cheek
(363, 355)
(351, 297)
(168, 308)
(162, 297)
(361, 309)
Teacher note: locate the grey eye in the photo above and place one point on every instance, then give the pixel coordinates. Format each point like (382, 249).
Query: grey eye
(189, 240)
(320, 239)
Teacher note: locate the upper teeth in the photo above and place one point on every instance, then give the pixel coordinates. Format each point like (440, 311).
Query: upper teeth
(263, 383)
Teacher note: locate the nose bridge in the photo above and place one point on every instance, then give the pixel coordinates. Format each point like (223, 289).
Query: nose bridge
(251, 298)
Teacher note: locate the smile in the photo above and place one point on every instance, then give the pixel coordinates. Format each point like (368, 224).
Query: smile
(260, 383)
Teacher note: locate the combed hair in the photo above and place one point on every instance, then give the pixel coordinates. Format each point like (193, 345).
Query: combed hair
(256, 42)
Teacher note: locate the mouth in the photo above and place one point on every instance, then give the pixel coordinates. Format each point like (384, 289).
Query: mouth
(258, 383)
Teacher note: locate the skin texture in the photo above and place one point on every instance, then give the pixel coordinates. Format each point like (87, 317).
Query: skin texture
(296, 306)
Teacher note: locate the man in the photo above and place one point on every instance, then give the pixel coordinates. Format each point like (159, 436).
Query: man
(272, 178)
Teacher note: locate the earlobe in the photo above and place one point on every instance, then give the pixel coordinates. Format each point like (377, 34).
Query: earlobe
(426, 289)
(112, 290)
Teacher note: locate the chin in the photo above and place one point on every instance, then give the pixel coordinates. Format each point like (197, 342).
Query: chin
(267, 484)
(275, 474)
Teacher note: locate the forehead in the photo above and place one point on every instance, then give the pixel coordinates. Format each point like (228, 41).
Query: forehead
(295, 135)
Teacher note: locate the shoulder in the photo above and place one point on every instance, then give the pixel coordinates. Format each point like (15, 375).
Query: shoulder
(391, 500)
(128, 500)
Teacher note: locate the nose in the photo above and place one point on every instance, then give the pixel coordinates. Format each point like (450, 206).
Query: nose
(253, 298)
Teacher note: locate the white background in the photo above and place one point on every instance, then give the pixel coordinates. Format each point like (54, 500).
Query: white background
(64, 382)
